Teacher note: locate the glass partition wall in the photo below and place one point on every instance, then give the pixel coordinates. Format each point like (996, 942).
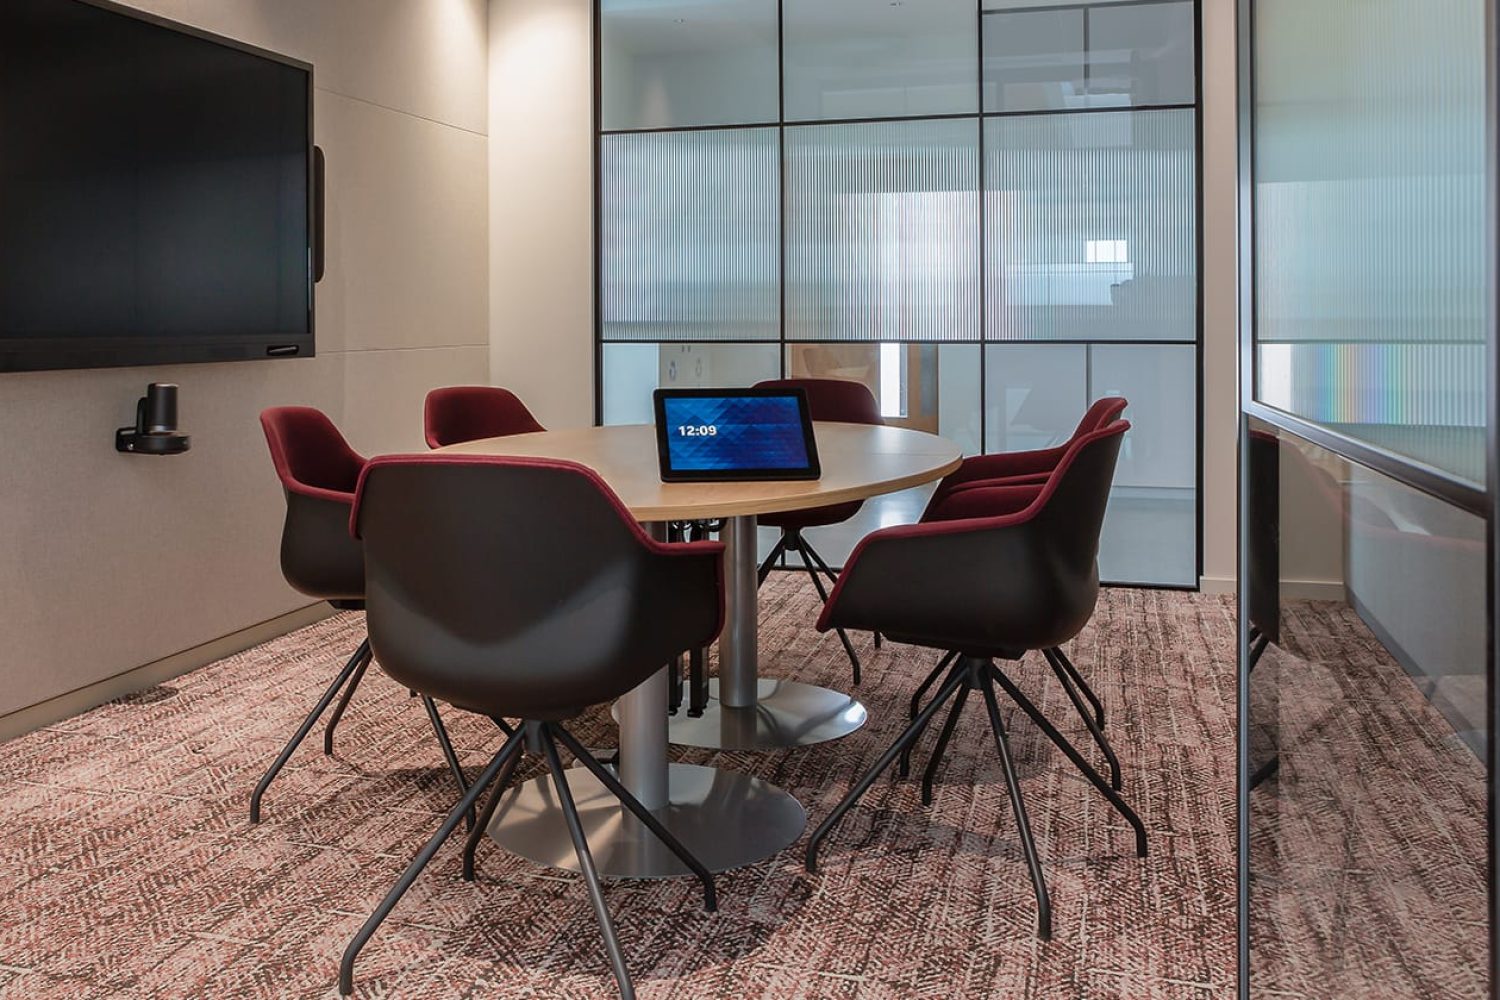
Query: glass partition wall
(1367, 498)
(986, 212)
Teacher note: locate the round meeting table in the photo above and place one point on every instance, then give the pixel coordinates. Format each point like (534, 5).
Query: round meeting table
(726, 818)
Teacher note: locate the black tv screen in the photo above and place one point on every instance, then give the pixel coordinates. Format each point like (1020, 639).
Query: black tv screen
(156, 192)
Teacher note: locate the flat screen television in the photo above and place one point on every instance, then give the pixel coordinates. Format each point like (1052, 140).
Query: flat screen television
(157, 192)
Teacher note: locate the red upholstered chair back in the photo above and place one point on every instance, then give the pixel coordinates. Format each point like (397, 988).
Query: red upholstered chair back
(833, 398)
(319, 472)
(473, 412)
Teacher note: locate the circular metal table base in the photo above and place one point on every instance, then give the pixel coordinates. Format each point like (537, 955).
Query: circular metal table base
(787, 714)
(726, 819)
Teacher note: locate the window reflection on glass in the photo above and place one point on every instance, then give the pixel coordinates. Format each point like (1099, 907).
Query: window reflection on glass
(1368, 700)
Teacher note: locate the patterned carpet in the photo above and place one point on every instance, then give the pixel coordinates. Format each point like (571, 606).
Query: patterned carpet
(128, 868)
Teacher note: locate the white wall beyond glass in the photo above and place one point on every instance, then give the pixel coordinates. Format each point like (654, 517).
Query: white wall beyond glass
(987, 213)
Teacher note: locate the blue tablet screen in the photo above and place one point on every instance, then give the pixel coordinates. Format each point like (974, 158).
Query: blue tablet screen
(734, 433)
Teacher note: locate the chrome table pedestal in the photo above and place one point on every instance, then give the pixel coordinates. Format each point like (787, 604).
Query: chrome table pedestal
(745, 712)
(727, 819)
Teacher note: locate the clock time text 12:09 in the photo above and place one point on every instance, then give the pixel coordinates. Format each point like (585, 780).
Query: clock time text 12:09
(697, 430)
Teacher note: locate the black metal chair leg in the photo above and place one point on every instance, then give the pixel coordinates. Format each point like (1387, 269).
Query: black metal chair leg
(710, 898)
(916, 705)
(811, 553)
(454, 766)
(1116, 780)
(360, 657)
(674, 685)
(803, 548)
(1017, 803)
(1055, 655)
(1265, 772)
(777, 551)
(346, 965)
(697, 681)
(944, 736)
(471, 842)
(1257, 650)
(503, 726)
(912, 731)
(877, 639)
(586, 866)
(338, 710)
(1073, 755)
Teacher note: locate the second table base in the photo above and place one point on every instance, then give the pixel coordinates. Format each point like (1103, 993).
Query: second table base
(786, 714)
(725, 818)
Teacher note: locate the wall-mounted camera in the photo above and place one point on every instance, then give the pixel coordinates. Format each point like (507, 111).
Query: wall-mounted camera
(155, 431)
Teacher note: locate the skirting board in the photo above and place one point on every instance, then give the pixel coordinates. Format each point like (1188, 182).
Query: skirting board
(1297, 590)
(64, 706)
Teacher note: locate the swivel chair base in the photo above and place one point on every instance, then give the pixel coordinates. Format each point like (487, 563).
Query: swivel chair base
(977, 674)
(497, 774)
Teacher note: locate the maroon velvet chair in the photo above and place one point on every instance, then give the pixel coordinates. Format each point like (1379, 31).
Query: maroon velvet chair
(523, 587)
(1020, 467)
(989, 588)
(318, 472)
(1003, 483)
(827, 399)
(473, 412)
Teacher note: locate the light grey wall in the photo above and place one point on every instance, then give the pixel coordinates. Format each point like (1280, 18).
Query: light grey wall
(109, 561)
(542, 206)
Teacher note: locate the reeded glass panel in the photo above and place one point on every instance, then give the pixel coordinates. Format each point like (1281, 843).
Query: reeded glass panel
(689, 224)
(1091, 227)
(687, 62)
(882, 231)
(1370, 258)
(632, 371)
(1368, 717)
(864, 59)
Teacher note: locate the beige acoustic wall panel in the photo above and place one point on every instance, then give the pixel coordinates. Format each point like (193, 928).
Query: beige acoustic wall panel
(109, 561)
(541, 206)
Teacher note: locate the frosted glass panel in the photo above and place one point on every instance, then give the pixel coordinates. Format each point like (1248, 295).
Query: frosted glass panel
(689, 230)
(709, 62)
(882, 231)
(1141, 54)
(1033, 60)
(632, 371)
(1091, 227)
(1161, 384)
(863, 59)
(1034, 395)
(1098, 56)
(1370, 257)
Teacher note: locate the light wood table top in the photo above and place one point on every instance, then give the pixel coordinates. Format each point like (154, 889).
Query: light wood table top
(859, 461)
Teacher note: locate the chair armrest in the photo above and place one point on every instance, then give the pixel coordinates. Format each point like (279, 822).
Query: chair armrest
(1004, 465)
(982, 499)
(902, 579)
(687, 586)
